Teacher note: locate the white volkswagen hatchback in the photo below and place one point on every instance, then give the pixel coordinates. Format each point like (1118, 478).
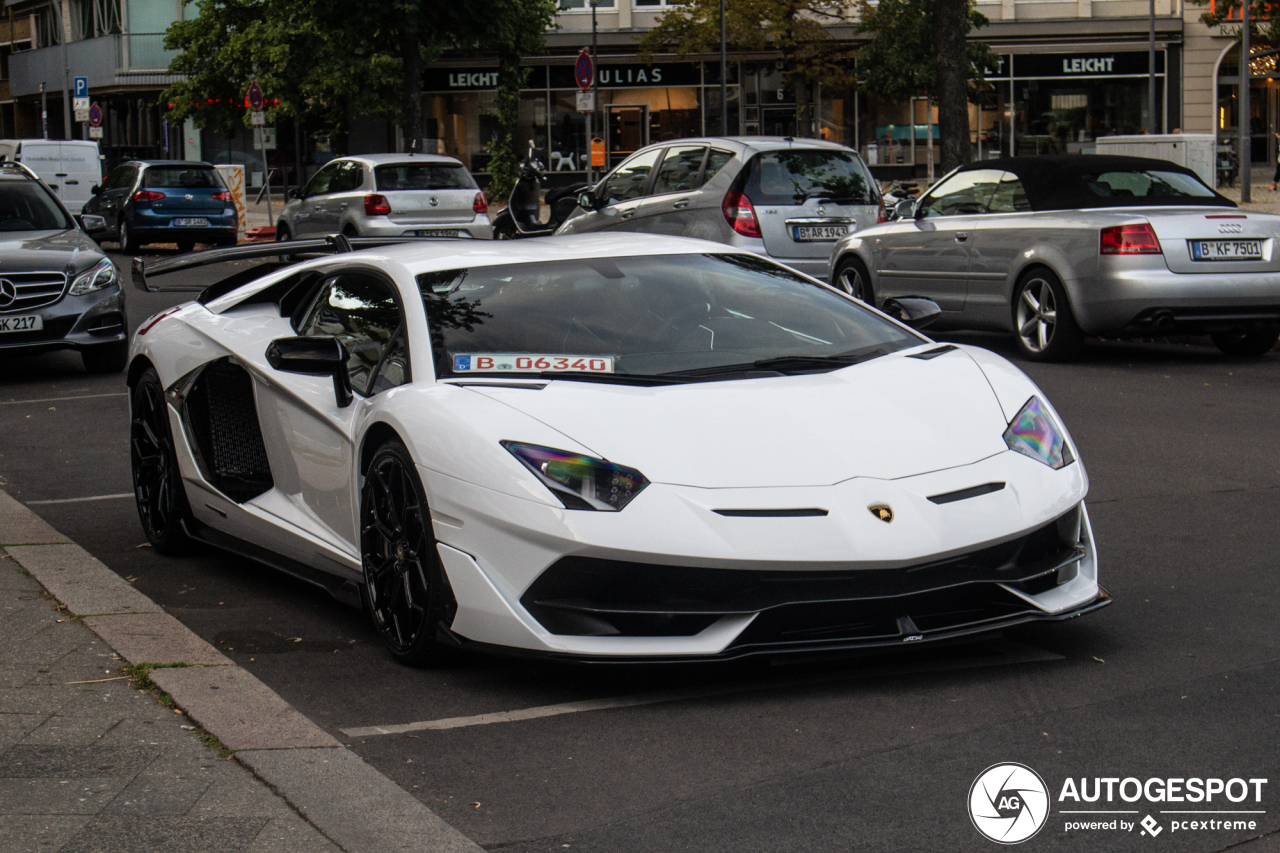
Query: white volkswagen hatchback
(673, 451)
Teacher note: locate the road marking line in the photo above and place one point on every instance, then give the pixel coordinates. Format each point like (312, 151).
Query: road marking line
(61, 399)
(1019, 653)
(79, 500)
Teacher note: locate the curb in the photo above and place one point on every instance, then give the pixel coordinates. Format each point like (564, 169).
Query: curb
(346, 799)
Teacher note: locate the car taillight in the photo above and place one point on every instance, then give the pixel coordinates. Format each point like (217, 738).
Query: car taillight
(148, 195)
(481, 204)
(376, 205)
(221, 195)
(1129, 240)
(739, 213)
(881, 216)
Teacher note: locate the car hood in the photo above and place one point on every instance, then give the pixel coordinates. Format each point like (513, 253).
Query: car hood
(31, 251)
(893, 417)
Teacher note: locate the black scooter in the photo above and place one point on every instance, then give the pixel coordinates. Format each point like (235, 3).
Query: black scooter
(522, 218)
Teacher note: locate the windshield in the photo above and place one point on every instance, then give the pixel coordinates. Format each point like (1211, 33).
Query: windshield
(1146, 183)
(170, 178)
(27, 206)
(423, 176)
(794, 176)
(665, 318)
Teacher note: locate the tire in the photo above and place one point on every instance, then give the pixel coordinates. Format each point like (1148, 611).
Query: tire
(185, 246)
(157, 482)
(105, 358)
(1254, 341)
(1044, 326)
(128, 242)
(407, 593)
(851, 277)
(282, 233)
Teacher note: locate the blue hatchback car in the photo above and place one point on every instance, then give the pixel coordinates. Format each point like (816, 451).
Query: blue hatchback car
(166, 201)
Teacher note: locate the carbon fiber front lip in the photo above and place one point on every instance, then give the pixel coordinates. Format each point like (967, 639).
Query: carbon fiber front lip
(969, 631)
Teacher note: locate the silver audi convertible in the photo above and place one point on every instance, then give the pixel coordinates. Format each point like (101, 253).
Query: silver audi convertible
(1057, 249)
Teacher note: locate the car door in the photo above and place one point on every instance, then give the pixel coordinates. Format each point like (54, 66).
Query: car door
(343, 192)
(928, 255)
(669, 206)
(621, 194)
(309, 438)
(116, 189)
(309, 218)
(997, 240)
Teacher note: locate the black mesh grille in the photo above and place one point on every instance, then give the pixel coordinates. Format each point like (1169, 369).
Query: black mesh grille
(585, 595)
(224, 422)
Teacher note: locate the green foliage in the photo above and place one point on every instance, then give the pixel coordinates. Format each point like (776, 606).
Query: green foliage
(796, 28)
(900, 59)
(1226, 14)
(326, 61)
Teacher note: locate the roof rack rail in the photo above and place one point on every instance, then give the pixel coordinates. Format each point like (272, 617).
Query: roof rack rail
(333, 244)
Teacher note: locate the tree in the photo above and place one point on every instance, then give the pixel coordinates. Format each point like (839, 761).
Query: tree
(920, 47)
(795, 28)
(319, 59)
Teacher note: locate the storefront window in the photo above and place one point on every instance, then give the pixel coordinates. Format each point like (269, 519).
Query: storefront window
(568, 130)
(462, 123)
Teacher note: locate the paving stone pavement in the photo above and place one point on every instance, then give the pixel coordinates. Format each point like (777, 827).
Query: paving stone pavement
(91, 764)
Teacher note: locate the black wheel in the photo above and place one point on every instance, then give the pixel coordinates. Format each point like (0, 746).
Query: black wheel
(406, 591)
(1046, 328)
(185, 246)
(128, 243)
(105, 358)
(157, 482)
(1252, 341)
(350, 231)
(852, 277)
(282, 233)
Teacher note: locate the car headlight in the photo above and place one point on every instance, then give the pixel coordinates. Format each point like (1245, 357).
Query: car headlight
(1033, 432)
(100, 276)
(580, 482)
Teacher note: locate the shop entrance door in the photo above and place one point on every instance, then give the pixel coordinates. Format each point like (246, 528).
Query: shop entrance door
(778, 121)
(628, 131)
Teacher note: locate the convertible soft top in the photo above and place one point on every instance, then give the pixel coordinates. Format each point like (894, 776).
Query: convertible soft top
(1063, 182)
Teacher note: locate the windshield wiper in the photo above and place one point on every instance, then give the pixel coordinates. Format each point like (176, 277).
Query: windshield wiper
(787, 364)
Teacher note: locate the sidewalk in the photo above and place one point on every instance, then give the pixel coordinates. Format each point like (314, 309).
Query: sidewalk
(121, 731)
(91, 762)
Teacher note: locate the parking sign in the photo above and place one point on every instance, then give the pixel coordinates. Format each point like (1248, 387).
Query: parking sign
(81, 87)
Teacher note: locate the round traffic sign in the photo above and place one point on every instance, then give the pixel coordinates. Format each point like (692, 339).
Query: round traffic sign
(255, 95)
(95, 115)
(584, 70)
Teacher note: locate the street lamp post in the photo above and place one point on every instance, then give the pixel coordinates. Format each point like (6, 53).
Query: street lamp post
(724, 77)
(66, 80)
(1151, 68)
(1246, 146)
(595, 98)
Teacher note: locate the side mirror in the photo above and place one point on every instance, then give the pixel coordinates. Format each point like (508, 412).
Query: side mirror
(587, 200)
(95, 189)
(914, 311)
(318, 355)
(294, 194)
(905, 209)
(91, 223)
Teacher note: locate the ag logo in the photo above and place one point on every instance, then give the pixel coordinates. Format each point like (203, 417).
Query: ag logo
(1008, 803)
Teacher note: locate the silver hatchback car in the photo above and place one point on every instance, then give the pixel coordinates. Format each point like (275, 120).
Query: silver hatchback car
(388, 195)
(787, 199)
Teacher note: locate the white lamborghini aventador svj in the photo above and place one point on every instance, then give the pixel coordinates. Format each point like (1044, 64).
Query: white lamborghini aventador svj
(604, 447)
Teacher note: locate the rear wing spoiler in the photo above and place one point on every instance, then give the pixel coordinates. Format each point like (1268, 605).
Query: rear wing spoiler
(145, 273)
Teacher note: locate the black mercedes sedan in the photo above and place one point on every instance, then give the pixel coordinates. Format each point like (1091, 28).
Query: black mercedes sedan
(58, 289)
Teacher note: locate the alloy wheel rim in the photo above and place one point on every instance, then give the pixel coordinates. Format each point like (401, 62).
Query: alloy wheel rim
(152, 454)
(394, 546)
(1037, 315)
(851, 283)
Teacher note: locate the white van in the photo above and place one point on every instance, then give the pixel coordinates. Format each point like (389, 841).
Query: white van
(69, 167)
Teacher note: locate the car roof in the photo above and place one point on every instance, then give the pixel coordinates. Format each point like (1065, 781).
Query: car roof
(437, 255)
(381, 159)
(754, 143)
(182, 163)
(1057, 182)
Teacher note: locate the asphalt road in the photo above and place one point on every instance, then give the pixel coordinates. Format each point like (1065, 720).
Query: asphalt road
(1179, 678)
